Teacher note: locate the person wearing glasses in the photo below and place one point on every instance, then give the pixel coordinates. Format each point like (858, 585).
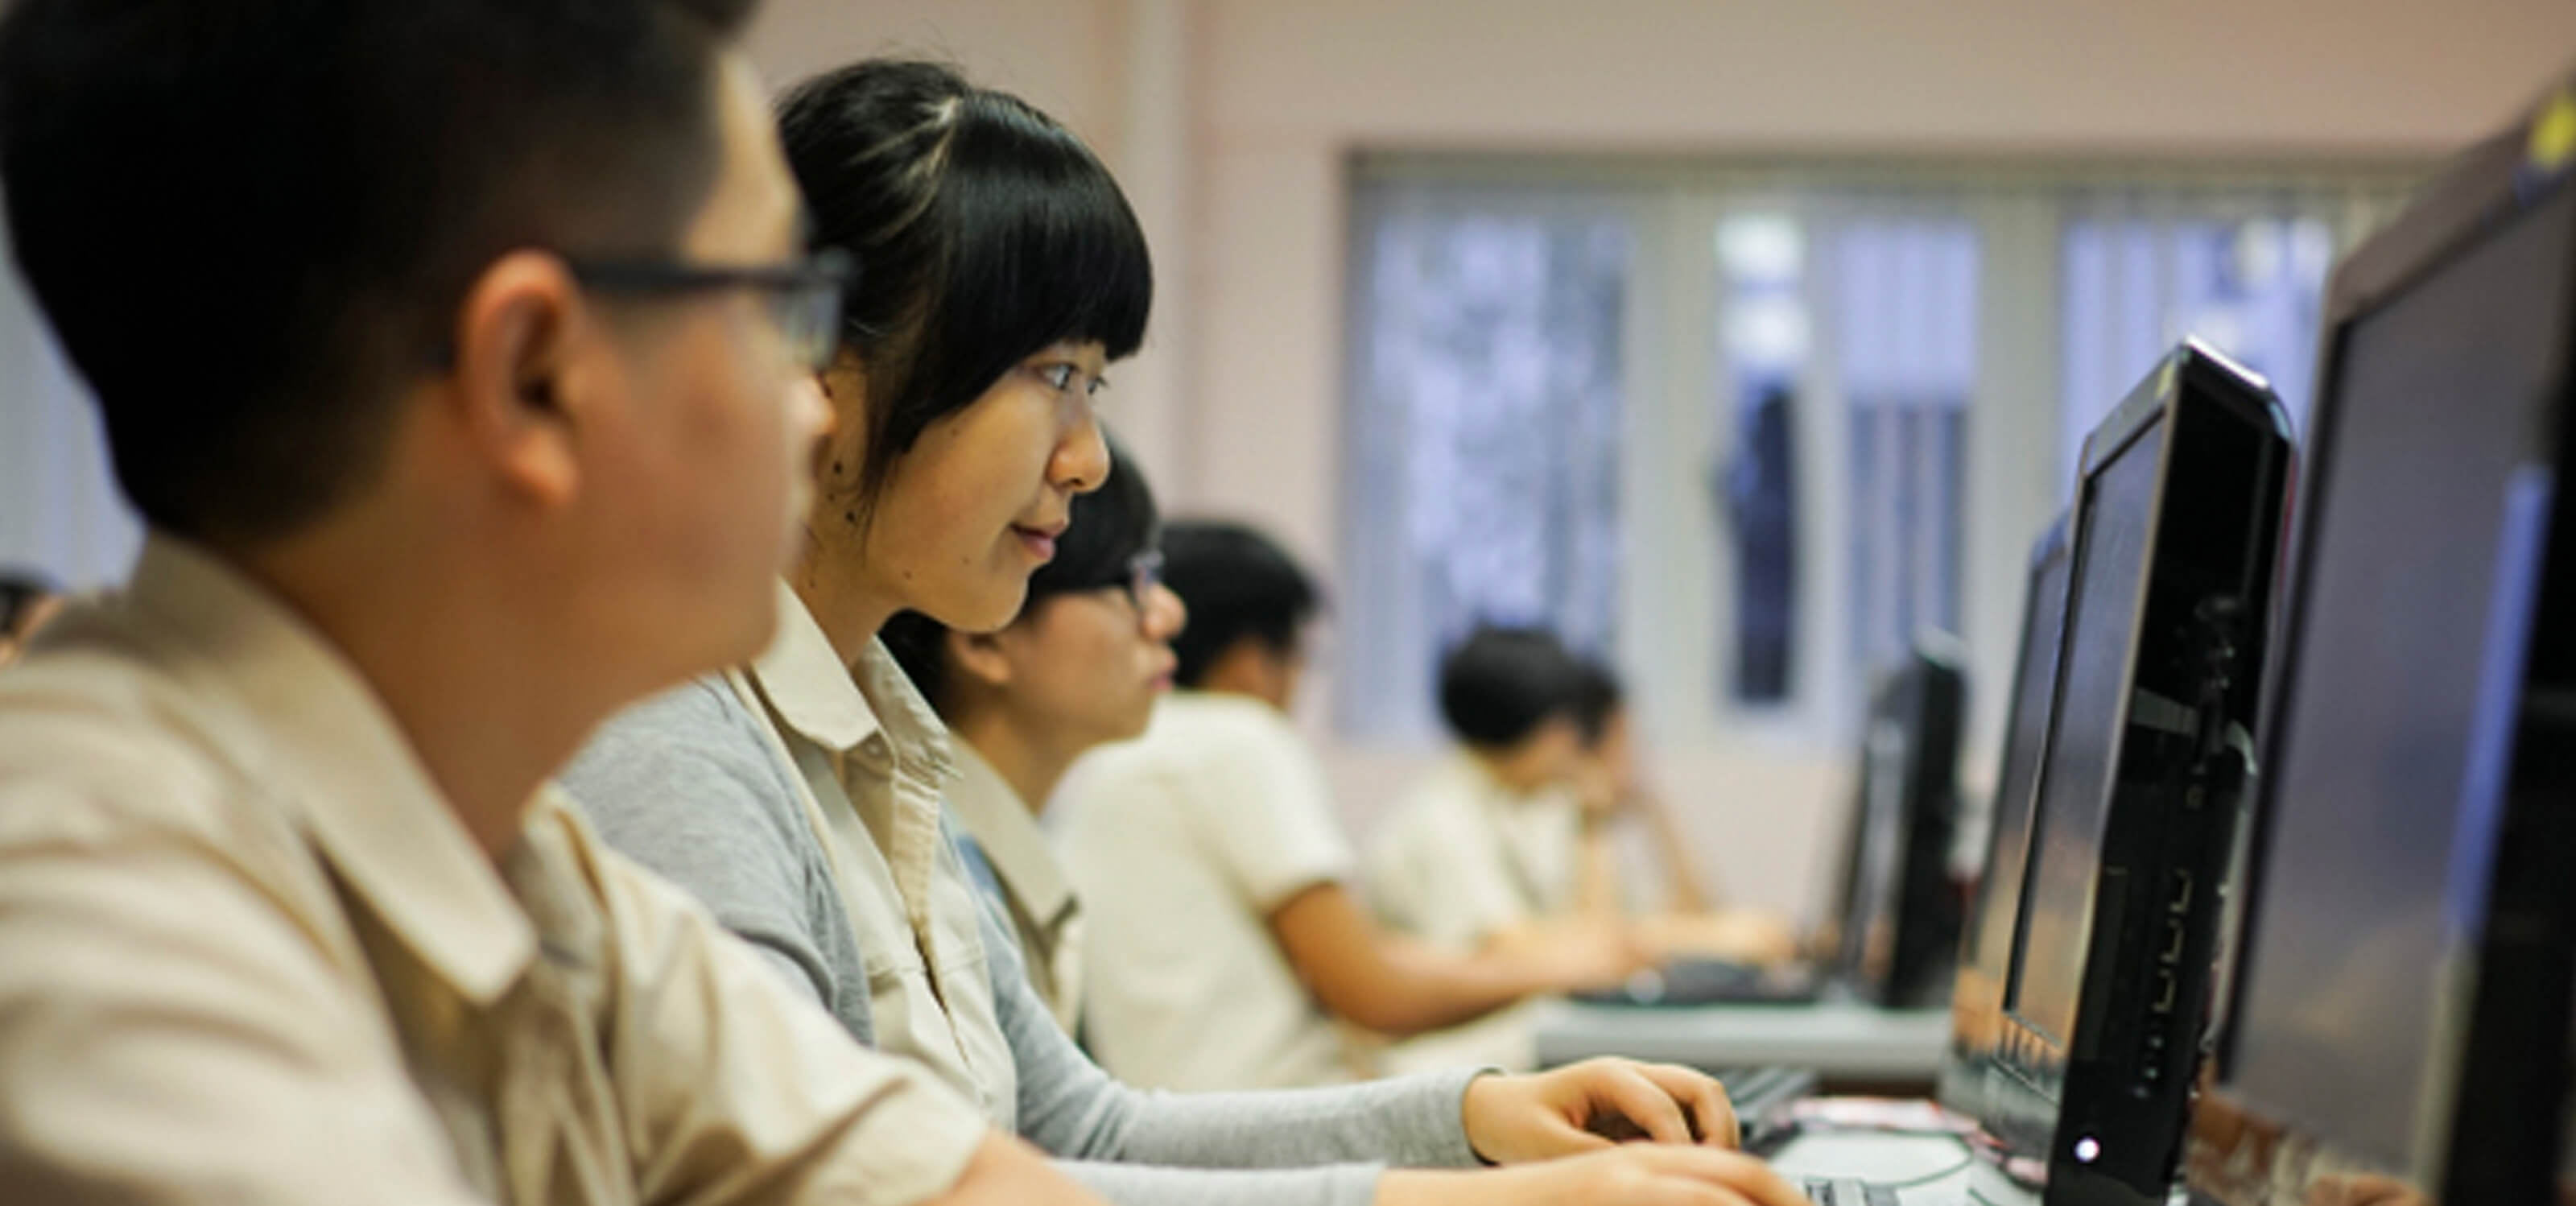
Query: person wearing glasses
(800, 793)
(464, 384)
(1081, 666)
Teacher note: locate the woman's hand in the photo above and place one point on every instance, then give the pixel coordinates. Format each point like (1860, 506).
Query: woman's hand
(1592, 1105)
(1642, 1174)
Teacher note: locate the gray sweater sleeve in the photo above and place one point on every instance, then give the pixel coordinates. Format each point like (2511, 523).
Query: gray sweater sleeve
(682, 783)
(1070, 1107)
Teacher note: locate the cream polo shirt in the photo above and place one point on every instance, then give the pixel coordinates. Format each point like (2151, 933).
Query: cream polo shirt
(1181, 845)
(247, 954)
(1461, 857)
(1045, 914)
(874, 761)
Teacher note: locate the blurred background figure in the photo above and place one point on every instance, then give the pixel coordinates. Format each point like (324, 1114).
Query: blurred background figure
(1679, 912)
(1229, 946)
(1487, 846)
(1519, 833)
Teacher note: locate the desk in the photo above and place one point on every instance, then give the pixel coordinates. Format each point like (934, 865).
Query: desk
(1935, 1171)
(1845, 1042)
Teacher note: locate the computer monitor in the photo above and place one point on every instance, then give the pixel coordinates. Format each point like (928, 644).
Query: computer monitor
(1985, 947)
(1899, 927)
(2176, 522)
(2400, 1015)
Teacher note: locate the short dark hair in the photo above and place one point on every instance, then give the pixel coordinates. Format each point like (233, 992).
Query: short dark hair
(1598, 696)
(1501, 683)
(1238, 585)
(251, 223)
(984, 232)
(1111, 526)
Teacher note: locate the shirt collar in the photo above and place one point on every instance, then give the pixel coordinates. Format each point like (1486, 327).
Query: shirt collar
(312, 727)
(840, 707)
(1001, 823)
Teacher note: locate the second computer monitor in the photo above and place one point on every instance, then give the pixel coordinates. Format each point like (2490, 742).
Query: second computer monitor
(1900, 924)
(2176, 524)
(1986, 942)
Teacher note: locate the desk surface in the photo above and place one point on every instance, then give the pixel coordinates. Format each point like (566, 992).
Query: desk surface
(1840, 1040)
(1934, 1171)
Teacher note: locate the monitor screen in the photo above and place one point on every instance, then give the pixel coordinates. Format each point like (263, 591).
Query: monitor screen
(2368, 848)
(2025, 732)
(2075, 785)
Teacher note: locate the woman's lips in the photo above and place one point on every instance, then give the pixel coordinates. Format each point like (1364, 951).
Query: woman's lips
(1039, 542)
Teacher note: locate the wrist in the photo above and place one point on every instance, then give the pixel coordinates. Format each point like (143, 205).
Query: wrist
(1476, 1105)
(1423, 1187)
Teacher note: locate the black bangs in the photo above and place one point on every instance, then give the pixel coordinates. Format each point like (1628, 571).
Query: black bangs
(1042, 249)
(984, 232)
(1111, 526)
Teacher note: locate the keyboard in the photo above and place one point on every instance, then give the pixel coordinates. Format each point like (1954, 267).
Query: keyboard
(1761, 1095)
(1693, 982)
(1844, 1192)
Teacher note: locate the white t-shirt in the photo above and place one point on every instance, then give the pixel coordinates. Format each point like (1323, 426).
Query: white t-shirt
(1181, 845)
(1461, 857)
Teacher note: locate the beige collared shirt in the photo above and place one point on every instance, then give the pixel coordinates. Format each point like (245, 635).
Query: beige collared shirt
(1461, 856)
(874, 762)
(1046, 916)
(247, 954)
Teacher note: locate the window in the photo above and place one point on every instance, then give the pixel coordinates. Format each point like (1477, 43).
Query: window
(1488, 441)
(1905, 322)
(1751, 429)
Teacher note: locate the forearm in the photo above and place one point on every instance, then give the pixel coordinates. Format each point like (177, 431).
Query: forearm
(1150, 1185)
(1423, 988)
(1416, 1121)
(1685, 889)
(1596, 876)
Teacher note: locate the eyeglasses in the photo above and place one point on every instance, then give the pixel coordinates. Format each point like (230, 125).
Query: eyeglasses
(1144, 573)
(804, 296)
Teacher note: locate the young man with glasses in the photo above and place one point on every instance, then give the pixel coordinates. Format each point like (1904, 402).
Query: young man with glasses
(458, 354)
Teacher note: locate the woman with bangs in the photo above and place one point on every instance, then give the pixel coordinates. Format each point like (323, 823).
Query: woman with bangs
(800, 797)
(1080, 667)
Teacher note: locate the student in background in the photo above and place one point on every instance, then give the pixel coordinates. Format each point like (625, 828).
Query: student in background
(1081, 666)
(1617, 800)
(1487, 845)
(799, 795)
(1228, 946)
(457, 354)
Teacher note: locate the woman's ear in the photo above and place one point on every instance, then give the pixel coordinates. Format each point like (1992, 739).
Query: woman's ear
(978, 657)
